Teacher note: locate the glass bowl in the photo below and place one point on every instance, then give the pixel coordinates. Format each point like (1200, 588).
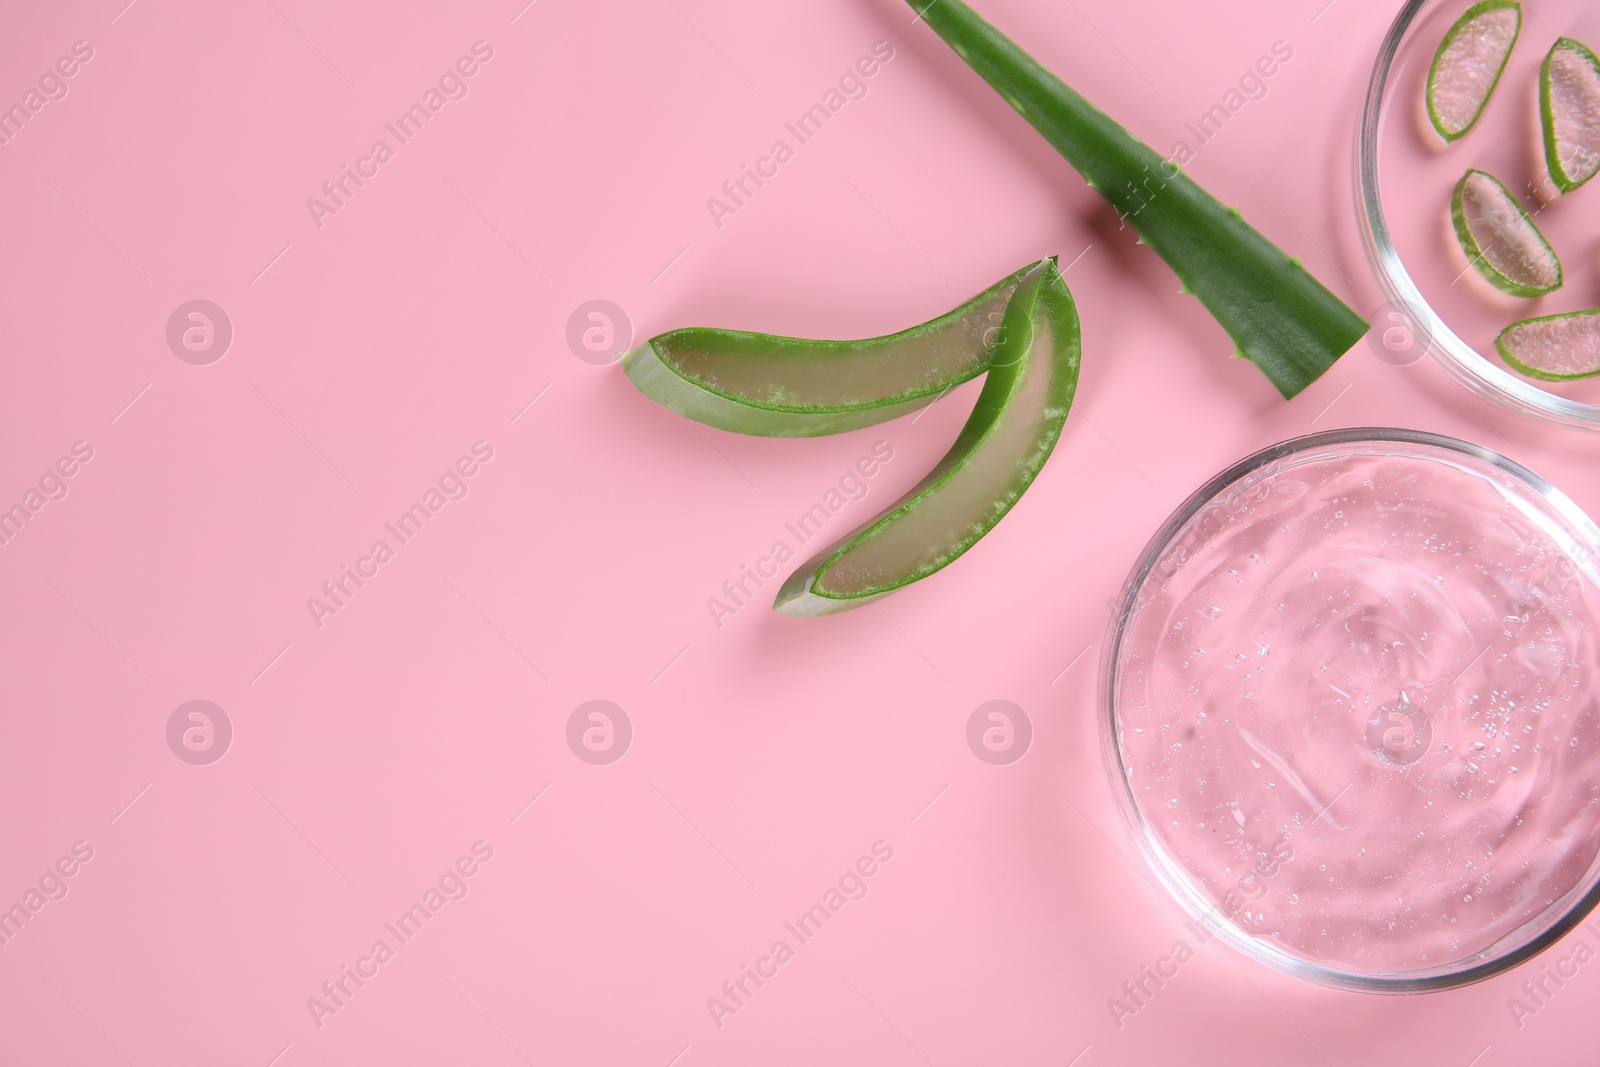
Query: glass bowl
(1349, 707)
(1404, 180)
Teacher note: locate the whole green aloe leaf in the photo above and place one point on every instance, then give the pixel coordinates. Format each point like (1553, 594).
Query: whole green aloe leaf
(1279, 316)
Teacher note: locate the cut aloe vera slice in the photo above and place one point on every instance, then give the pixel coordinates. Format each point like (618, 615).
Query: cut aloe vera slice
(1556, 348)
(770, 386)
(997, 455)
(1469, 63)
(1499, 238)
(1569, 103)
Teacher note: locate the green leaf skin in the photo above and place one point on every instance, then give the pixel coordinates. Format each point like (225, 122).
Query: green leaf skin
(1279, 316)
(999, 452)
(771, 386)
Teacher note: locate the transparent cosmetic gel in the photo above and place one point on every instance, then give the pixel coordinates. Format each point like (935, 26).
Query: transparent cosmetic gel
(1351, 707)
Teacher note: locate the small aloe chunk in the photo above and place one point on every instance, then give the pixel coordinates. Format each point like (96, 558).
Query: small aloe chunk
(998, 453)
(771, 386)
(1499, 238)
(1469, 63)
(1569, 104)
(1556, 348)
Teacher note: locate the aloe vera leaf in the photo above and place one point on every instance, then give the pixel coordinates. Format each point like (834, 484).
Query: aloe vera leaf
(1468, 65)
(1555, 348)
(1499, 238)
(1569, 105)
(1000, 450)
(771, 386)
(1278, 315)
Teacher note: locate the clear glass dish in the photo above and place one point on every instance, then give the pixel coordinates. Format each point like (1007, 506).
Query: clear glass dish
(1404, 180)
(1349, 708)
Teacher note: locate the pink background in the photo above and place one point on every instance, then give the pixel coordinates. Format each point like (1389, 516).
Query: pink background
(768, 754)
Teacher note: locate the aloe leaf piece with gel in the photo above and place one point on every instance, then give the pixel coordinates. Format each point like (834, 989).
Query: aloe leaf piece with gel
(1469, 63)
(1279, 316)
(1500, 240)
(1554, 348)
(771, 386)
(999, 452)
(1569, 105)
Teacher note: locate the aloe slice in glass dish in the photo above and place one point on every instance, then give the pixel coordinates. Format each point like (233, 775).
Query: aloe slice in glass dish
(1469, 63)
(1554, 348)
(1569, 105)
(999, 452)
(772, 386)
(1499, 238)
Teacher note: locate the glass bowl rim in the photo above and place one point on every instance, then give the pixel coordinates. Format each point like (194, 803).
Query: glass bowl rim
(1462, 360)
(1156, 860)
